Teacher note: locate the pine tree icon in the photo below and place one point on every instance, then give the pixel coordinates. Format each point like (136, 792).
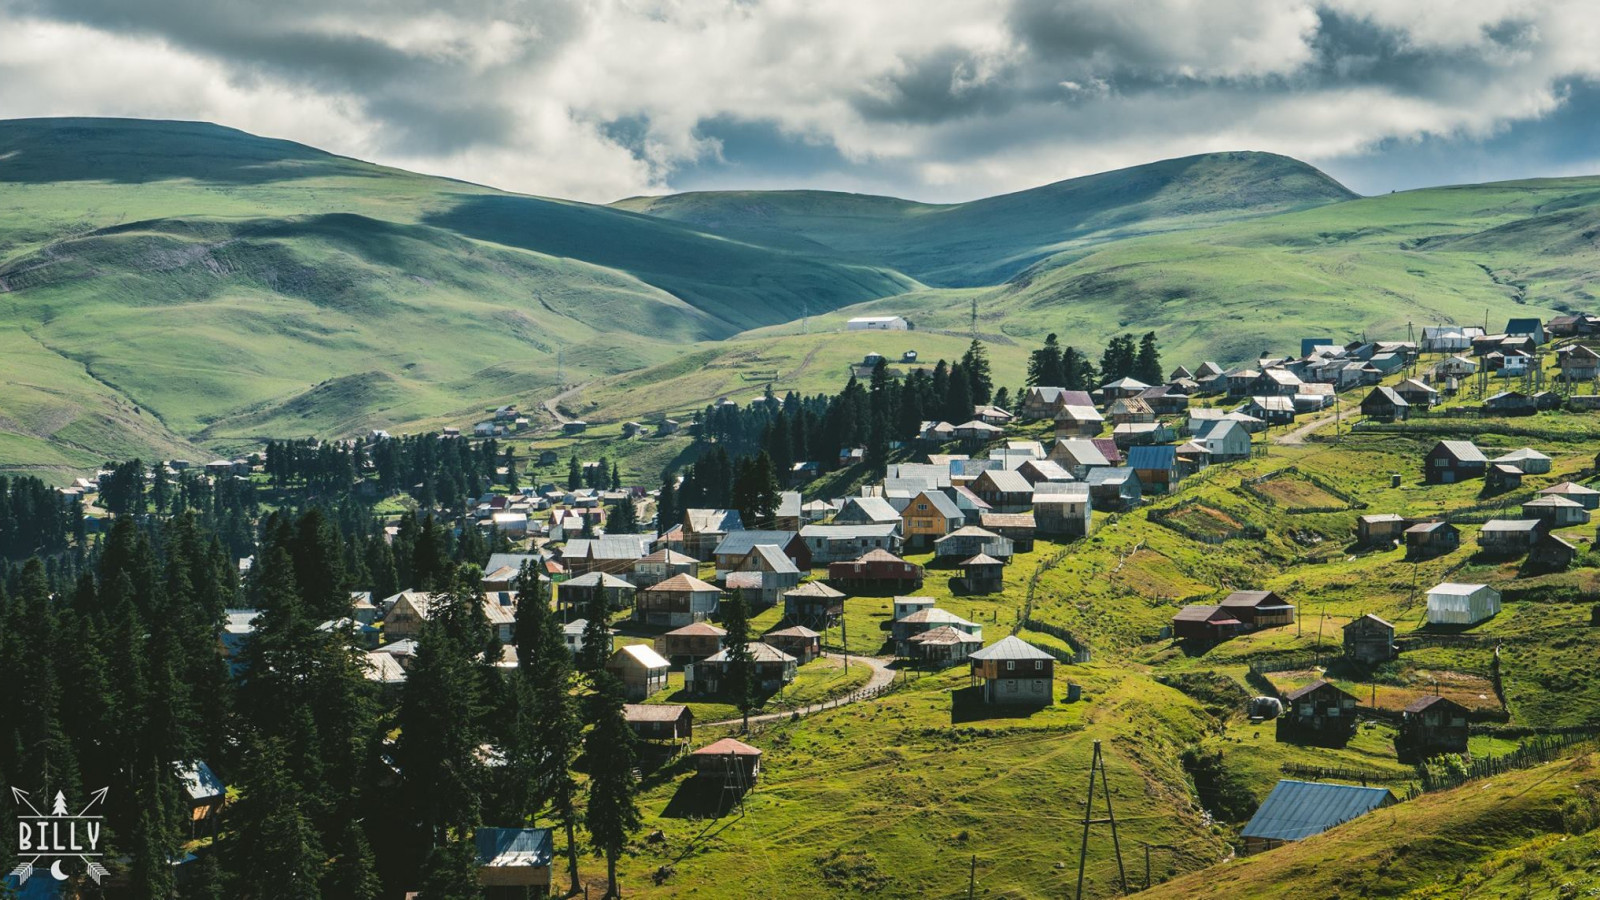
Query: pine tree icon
(60, 809)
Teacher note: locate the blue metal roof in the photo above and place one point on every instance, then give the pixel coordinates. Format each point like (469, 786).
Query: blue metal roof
(1299, 809)
(502, 847)
(1152, 457)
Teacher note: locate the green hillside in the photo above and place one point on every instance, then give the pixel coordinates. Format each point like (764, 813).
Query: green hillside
(218, 287)
(987, 241)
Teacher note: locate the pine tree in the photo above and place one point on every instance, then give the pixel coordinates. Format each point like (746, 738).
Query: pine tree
(739, 677)
(350, 875)
(613, 813)
(1147, 367)
(546, 664)
(441, 713)
(1044, 365)
(451, 872)
(574, 473)
(272, 847)
(667, 511)
(513, 483)
(975, 362)
(596, 635)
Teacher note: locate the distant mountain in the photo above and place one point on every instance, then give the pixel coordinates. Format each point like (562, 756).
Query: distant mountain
(985, 242)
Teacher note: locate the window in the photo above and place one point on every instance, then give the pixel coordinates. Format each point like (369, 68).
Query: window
(1038, 665)
(1011, 687)
(1011, 665)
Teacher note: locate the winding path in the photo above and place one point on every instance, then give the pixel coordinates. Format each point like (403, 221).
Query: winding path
(1298, 434)
(552, 405)
(882, 676)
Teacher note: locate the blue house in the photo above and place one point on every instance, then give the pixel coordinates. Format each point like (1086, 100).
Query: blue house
(1156, 466)
(1296, 810)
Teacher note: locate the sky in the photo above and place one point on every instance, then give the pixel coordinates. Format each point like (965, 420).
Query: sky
(938, 100)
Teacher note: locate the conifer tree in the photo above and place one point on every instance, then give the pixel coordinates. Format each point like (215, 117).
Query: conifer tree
(546, 664)
(1147, 366)
(272, 849)
(612, 814)
(975, 362)
(451, 871)
(574, 473)
(739, 677)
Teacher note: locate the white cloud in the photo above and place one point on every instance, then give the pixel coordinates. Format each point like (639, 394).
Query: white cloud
(933, 98)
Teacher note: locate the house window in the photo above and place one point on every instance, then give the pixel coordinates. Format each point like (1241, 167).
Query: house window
(1038, 665)
(1011, 686)
(1011, 665)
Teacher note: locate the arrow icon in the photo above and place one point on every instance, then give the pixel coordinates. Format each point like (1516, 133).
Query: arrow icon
(94, 798)
(21, 797)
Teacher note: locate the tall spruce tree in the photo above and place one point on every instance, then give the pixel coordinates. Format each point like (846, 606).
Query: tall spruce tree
(1147, 366)
(740, 687)
(612, 814)
(546, 664)
(975, 362)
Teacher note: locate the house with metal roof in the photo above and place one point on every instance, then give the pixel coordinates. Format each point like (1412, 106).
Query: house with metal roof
(641, 670)
(1319, 713)
(1452, 461)
(1156, 466)
(1509, 537)
(1114, 488)
(1013, 672)
(839, 543)
(1450, 603)
(971, 540)
(1296, 810)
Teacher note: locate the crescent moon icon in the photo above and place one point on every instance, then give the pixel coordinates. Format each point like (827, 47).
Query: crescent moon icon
(55, 871)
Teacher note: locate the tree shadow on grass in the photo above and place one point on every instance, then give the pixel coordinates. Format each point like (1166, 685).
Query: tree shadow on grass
(701, 797)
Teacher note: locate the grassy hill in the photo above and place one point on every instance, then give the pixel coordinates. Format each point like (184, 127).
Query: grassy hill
(187, 283)
(987, 241)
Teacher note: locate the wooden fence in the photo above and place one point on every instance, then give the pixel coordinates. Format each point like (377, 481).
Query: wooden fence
(1163, 517)
(1249, 487)
(1534, 752)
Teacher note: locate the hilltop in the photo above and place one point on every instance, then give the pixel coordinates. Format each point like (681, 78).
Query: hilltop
(987, 241)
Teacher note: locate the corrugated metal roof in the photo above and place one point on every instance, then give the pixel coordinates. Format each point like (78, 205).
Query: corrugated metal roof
(508, 847)
(1299, 809)
(1011, 647)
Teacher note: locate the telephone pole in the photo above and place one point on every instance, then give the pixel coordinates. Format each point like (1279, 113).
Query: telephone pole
(1098, 765)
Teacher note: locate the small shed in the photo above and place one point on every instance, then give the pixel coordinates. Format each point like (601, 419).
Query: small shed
(1450, 603)
(203, 791)
(813, 604)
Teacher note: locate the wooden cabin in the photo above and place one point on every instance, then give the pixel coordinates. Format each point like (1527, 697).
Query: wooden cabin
(726, 758)
(876, 572)
(798, 641)
(691, 643)
(1369, 640)
(660, 723)
(1319, 713)
(1426, 540)
(1013, 672)
(1431, 726)
(513, 862)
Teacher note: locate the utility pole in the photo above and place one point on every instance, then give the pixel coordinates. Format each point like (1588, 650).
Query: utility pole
(1098, 765)
(974, 318)
(972, 879)
(561, 374)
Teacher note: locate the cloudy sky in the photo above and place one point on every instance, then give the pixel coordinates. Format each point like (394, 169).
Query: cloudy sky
(930, 99)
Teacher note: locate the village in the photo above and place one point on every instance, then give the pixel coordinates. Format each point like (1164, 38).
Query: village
(1351, 556)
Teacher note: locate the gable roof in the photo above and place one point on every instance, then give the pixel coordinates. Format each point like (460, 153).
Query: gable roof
(944, 634)
(794, 631)
(815, 589)
(652, 712)
(1005, 481)
(1369, 617)
(597, 579)
(850, 532)
(1163, 456)
(642, 654)
(697, 629)
(669, 557)
(941, 503)
(1315, 687)
(1423, 702)
(704, 521)
(1463, 451)
(760, 652)
(1299, 809)
(1083, 452)
(739, 543)
(874, 509)
(684, 582)
(727, 747)
(773, 559)
(199, 782)
(1010, 647)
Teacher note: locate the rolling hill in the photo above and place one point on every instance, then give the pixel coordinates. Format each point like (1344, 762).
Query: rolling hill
(183, 288)
(987, 241)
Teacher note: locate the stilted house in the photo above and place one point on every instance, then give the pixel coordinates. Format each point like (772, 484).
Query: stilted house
(1431, 726)
(1012, 671)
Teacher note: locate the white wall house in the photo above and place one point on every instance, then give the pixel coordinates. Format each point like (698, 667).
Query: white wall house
(1462, 604)
(877, 323)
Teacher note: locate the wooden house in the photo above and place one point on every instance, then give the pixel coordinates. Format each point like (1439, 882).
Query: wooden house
(1527, 459)
(678, 601)
(513, 862)
(1156, 467)
(942, 646)
(734, 548)
(1509, 537)
(1168, 399)
(1043, 471)
(1379, 529)
(729, 761)
(1369, 640)
(1130, 410)
(910, 625)
(1272, 410)
(1501, 477)
(1426, 540)
(930, 515)
(204, 794)
(1018, 528)
(798, 641)
(1384, 404)
(615, 554)
(1510, 403)
(876, 572)
(1078, 456)
(1004, 490)
(576, 594)
(1450, 603)
(1078, 421)
(971, 541)
(1296, 810)
(770, 571)
(866, 511)
(704, 529)
(813, 604)
(661, 565)
(1126, 386)
(1452, 461)
(1587, 497)
(662, 723)
(1319, 713)
(1062, 510)
(1258, 609)
(1431, 726)
(1550, 553)
(982, 574)
(1013, 672)
(770, 669)
(1225, 440)
(836, 543)
(1531, 328)
(1419, 395)
(641, 670)
(1204, 624)
(1114, 489)
(691, 643)
(1578, 363)
(1555, 511)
